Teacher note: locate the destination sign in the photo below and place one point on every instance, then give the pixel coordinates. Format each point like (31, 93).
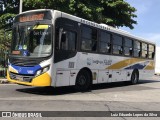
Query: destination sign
(33, 16)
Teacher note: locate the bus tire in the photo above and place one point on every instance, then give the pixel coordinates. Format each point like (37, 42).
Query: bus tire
(83, 81)
(134, 77)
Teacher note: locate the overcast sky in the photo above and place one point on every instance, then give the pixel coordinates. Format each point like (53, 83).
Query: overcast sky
(148, 19)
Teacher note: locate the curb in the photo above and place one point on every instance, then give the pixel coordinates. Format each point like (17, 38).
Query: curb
(4, 81)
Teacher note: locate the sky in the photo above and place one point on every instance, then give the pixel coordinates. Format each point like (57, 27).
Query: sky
(148, 20)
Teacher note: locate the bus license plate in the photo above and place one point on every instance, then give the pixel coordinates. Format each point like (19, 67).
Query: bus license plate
(19, 78)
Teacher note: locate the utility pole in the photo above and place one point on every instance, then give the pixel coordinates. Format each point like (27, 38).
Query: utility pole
(20, 6)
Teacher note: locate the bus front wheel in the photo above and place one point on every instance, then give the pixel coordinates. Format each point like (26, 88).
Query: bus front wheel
(83, 81)
(134, 77)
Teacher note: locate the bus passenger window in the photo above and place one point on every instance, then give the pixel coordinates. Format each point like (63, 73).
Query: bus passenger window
(144, 50)
(66, 40)
(137, 49)
(128, 51)
(151, 51)
(117, 45)
(105, 45)
(89, 39)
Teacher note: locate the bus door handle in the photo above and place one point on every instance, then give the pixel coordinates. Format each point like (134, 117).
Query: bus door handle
(60, 73)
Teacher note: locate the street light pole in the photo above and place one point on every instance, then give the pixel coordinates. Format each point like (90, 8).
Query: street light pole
(20, 6)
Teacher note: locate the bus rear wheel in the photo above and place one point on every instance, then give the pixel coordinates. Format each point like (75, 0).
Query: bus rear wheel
(83, 81)
(134, 77)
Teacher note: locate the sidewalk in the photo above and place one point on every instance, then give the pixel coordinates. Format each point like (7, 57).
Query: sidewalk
(3, 81)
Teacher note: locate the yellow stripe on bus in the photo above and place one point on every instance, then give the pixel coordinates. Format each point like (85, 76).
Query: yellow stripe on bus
(41, 27)
(150, 66)
(124, 63)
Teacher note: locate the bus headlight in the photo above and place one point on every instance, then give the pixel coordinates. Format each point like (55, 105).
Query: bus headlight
(38, 72)
(43, 70)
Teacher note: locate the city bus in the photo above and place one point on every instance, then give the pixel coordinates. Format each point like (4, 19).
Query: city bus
(53, 48)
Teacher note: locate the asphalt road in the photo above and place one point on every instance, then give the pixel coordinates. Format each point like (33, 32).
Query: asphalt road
(144, 96)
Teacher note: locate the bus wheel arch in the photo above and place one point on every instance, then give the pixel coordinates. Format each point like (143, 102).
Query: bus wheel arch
(83, 80)
(135, 76)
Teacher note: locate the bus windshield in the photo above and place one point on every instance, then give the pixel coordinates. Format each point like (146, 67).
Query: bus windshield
(32, 41)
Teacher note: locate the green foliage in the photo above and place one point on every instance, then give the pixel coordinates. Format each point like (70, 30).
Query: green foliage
(117, 13)
(8, 9)
(5, 39)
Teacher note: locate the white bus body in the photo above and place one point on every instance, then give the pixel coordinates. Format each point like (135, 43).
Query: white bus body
(157, 65)
(78, 54)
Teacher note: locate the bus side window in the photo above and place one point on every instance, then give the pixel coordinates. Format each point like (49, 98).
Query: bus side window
(144, 50)
(151, 51)
(89, 39)
(66, 40)
(137, 49)
(104, 42)
(117, 45)
(60, 42)
(128, 50)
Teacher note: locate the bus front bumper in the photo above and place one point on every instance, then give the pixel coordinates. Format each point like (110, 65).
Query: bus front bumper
(39, 81)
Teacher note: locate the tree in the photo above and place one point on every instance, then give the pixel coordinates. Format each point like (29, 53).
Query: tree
(5, 39)
(117, 13)
(8, 10)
